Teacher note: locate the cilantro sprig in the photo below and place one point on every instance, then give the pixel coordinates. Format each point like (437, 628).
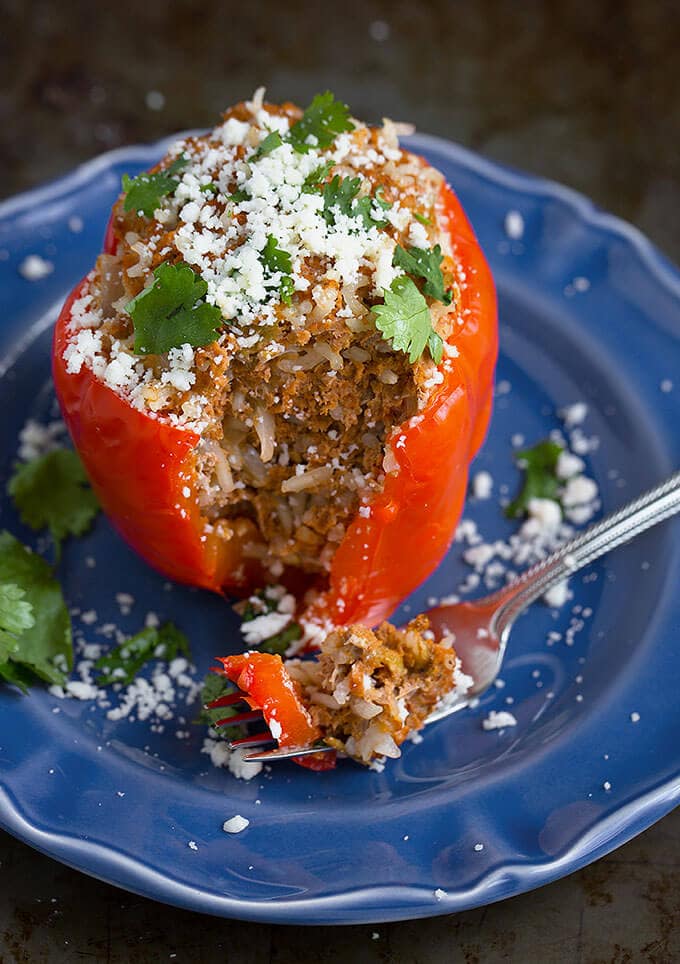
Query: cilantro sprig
(16, 615)
(540, 476)
(278, 261)
(321, 122)
(125, 661)
(173, 312)
(267, 145)
(340, 196)
(214, 687)
(315, 179)
(144, 192)
(35, 627)
(53, 492)
(424, 263)
(404, 320)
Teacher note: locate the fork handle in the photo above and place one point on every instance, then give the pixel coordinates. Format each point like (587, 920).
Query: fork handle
(614, 530)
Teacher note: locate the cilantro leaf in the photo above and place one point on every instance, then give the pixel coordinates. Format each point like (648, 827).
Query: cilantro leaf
(380, 198)
(17, 675)
(172, 312)
(214, 686)
(279, 642)
(53, 492)
(267, 145)
(422, 218)
(315, 178)
(48, 637)
(404, 320)
(340, 195)
(323, 120)
(540, 476)
(144, 192)
(424, 263)
(123, 663)
(16, 614)
(276, 260)
(209, 188)
(238, 196)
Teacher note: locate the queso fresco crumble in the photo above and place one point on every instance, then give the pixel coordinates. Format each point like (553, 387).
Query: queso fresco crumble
(283, 286)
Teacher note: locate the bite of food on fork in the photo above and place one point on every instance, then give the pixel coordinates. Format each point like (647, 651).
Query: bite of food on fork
(367, 691)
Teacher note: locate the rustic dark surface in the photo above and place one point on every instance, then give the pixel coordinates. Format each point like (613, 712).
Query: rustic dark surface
(582, 92)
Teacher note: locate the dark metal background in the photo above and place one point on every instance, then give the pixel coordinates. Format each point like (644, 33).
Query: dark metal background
(587, 93)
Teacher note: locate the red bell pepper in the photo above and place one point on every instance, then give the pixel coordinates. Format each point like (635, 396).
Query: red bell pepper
(144, 469)
(267, 686)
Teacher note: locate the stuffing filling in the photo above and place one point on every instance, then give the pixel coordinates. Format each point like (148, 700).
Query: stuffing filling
(368, 691)
(298, 394)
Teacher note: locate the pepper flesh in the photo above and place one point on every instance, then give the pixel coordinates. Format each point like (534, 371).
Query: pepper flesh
(144, 469)
(267, 686)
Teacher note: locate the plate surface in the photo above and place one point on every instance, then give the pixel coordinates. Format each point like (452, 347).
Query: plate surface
(589, 311)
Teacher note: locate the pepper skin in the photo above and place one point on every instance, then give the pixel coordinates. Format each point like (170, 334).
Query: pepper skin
(144, 470)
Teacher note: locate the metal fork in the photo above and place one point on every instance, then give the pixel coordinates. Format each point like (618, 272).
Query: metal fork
(481, 627)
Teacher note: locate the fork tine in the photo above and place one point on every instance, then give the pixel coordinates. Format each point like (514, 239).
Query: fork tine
(228, 700)
(264, 756)
(257, 739)
(240, 718)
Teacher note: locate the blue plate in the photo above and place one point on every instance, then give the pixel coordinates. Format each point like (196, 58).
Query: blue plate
(589, 311)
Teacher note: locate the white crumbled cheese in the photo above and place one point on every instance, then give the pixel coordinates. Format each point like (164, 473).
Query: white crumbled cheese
(574, 414)
(568, 465)
(234, 760)
(275, 728)
(666, 385)
(81, 691)
(235, 824)
(192, 845)
(634, 717)
(546, 513)
(498, 720)
(557, 595)
(479, 847)
(482, 485)
(440, 894)
(579, 491)
(514, 225)
(35, 268)
(255, 631)
(606, 785)
(36, 440)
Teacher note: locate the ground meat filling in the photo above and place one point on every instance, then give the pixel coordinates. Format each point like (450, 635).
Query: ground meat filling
(369, 690)
(296, 401)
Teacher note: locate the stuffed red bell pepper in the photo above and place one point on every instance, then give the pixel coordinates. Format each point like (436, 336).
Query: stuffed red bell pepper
(282, 363)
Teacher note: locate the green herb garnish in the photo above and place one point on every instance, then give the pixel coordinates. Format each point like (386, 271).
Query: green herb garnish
(123, 663)
(422, 219)
(340, 196)
(316, 178)
(238, 196)
(540, 477)
(267, 145)
(173, 312)
(16, 615)
(278, 261)
(404, 320)
(39, 621)
(424, 263)
(53, 492)
(279, 642)
(380, 198)
(214, 687)
(209, 188)
(322, 121)
(144, 192)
